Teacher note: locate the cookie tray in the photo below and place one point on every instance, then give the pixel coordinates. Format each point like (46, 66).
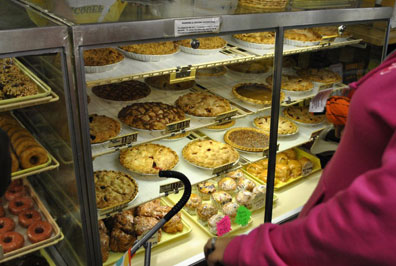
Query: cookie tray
(165, 238)
(28, 246)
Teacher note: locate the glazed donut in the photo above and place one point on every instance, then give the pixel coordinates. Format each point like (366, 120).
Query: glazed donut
(11, 241)
(39, 231)
(14, 162)
(6, 225)
(18, 205)
(21, 140)
(33, 156)
(14, 192)
(13, 130)
(22, 146)
(19, 134)
(28, 217)
(2, 211)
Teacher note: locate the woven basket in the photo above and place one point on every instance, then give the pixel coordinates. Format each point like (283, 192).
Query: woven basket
(267, 5)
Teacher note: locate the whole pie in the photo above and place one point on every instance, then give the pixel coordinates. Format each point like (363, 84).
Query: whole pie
(157, 48)
(293, 83)
(320, 75)
(102, 57)
(254, 67)
(209, 153)
(102, 128)
(202, 104)
(303, 35)
(302, 115)
(206, 43)
(265, 37)
(162, 83)
(257, 93)
(247, 139)
(124, 91)
(150, 115)
(114, 188)
(148, 158)
(285, 126)
(222, 126)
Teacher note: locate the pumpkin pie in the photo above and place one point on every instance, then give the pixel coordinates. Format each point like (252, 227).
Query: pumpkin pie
(285, 126)
(257, 93)
(321, 75)
(202, 104)
(247, 139)
(293, 83)
(302, 115)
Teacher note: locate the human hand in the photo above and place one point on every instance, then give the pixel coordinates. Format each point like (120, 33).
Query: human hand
(214, 250)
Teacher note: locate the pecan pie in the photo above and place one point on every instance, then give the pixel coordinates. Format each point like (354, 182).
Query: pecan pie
(293, 83)
(157, 48)
(253, 67)
(123, 91)
(206, 43)
(247, 139)
(202, 104)
(148, 158)
(285, 126)
(257, 93)
(102, 57)
(209, 153)
(265, 37)
(320, 75)
(162, 83)
(150, 115)
(102, 128)
(303, 35)
(302, 115)
(113, 188)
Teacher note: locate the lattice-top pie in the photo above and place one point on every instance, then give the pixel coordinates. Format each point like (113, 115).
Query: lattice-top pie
(303, 35)
(102, 57)
(302, 115)
(254, 67)
(247, 139)
(150, 115)
(157, 48)
(209, 153)
(265, 37)
(163, 83)
(114, 188)
(148, 158)
(123, 91)
(203, 104)
(257, 93)
(285, 126)
(206, 43)
(320, 75)
(293, 83)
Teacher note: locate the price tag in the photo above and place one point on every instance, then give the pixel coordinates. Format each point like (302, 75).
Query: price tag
(223, 226)
(327, 40)
(200, 25)
(243, 215)
(318, 103)
(221, 169)
(307, 170)
(226, 116)
(123, 140)
(316, 133)
(171, 187)
(182, 74)
(115, 209)
(153, 239)
(179, 125)
(258, 201)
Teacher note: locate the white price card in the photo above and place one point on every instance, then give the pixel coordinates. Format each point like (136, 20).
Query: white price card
(199, 25)
(318, 103)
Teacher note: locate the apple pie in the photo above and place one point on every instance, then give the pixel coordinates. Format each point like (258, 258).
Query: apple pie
(102, 57)
(293, 83)
(321, 75)
(148, 158)
(265, 37)
(247, 139)
(157, 48)
(202, 104)
(206, 43)
(285, 126)
(257, 93)
(302, 115)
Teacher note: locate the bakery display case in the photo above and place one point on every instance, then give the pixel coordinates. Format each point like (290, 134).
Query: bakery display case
(189, 86)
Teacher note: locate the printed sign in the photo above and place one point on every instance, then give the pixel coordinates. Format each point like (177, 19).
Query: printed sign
(223, 226)
(171, 187)
(219, 170)
(226, 116)
(318, 103)
(179, 125)
(258, 201)
(200, 25)
(123, 140)
(243, 215)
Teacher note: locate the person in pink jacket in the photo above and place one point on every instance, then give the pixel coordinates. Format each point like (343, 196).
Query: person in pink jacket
(350, 219)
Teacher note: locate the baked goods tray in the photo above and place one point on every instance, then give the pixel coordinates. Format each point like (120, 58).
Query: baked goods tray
(111, 109)
(165, 239)
(44, 92)
(300, 153)
(28, 246)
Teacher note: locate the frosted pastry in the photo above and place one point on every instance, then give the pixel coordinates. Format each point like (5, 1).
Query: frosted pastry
(244, 198)
(193, 203)
(219, 198)
(204, 212)
(212, 223)
(227, 184)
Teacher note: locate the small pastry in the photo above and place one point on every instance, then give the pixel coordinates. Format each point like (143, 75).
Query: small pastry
(295, 168)
(282, 172)
(230, 209)
(219, 198)
(235, 174)
(244, 198)
(281, 158)
(291, 154)
(212, 222)
(148, 208)
(204, 212)
(174, 225)
(144, 224)
(228, 185)
(193, 203)
(205, 189)
(260, 189)
(245, 184)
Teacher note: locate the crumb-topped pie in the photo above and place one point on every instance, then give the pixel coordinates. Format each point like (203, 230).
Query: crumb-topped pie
(123, 91)
(150, 115)
(102, 57)
(206, 43)
(209, 153)
(257, 93)
(303, 35)
(202, 104)
(247, 139)
(163, 83)
(302, 115)
(321, 75)
(102, 128)
(157, 48)
(148, 158)
(265, 37)
(293, 83)
(114, 188)
(252, 67)
(285, 126)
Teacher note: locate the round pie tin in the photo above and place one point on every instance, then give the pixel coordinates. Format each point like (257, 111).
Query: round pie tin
(300, 43)
(209, 168)
(280, 135)
(190, 50)
(147, 57)
(297, 93)
(260, 46)
(100, 69)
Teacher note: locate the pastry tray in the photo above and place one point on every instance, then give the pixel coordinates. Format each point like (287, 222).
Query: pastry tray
(165, 238)
(28, 246)
(300, 153)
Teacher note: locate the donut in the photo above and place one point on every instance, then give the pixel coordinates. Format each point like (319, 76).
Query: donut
(18, 205)
(11, 241)
(28, 217)
(13, 130)
(23, 145)
(39, 231)
(33, 156)
(19, 134)
(21, 140)
(14, 162)
(2, 211)
(14, 192)
(6, 225)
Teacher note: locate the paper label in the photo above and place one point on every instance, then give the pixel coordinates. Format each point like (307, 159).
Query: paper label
(114, 210)
(327, 40)
(223, 226)
(123, 140)
(171, 187)
(179, 125)
(258, 201)
(318, 103)
(219, 170)
(182, 74)
(243, 215)
(200, 25)
(226, 116)
(307, 170)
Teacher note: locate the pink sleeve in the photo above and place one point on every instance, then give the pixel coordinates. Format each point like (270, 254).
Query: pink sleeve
(355, 227)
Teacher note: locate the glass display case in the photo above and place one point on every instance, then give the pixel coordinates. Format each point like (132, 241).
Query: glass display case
(190, 86)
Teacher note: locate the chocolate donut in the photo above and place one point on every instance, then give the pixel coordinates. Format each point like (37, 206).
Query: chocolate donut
(39, 231)
(6, 225)
(11, 241)
(14, 192)
(18, 205)
(28, 217)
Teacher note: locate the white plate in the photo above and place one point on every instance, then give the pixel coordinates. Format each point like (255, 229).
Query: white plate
(208, 168)
(146, 57)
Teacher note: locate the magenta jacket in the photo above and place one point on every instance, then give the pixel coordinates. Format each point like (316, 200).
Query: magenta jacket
(350, 218)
